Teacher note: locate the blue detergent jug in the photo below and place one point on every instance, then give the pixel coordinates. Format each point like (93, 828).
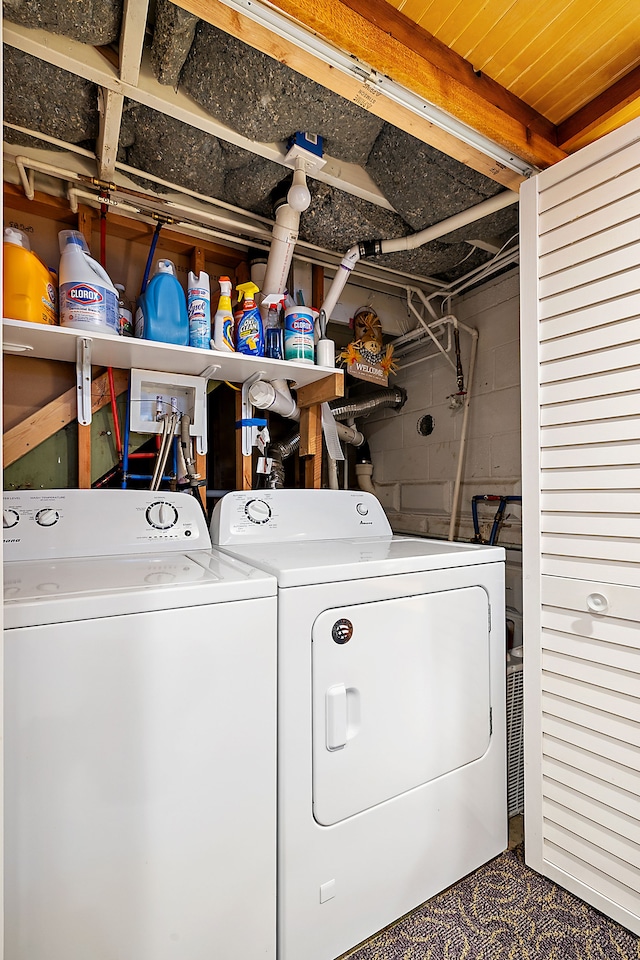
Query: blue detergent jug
(162, 308)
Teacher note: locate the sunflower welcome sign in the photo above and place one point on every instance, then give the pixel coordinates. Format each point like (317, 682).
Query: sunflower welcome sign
(366, 357)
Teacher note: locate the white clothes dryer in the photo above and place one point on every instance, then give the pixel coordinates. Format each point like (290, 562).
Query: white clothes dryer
(391, 710)
(140, 732)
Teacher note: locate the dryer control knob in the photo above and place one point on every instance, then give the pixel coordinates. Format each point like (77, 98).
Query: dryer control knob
(258, 511)
(162, 515)
(47, 517)
(9, 518)
(362, 509)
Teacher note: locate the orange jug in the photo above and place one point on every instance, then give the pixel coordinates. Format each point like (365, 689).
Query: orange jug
(28, 289)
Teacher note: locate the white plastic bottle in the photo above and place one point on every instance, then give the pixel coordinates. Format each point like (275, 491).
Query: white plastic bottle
(199, 310)
(88, 298)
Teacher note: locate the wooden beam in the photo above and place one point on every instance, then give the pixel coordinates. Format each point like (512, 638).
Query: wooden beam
(84, 456)
(244, 464)
(197, 260)
(201, 468)
(126, 228)
(402, 28)
(537, 150)
(573, 132)
(134, 24)
(311, 445)
(321, 390)
(37, 428)
(110, 106)
(85, 220)
(317, 285)
(348, 30)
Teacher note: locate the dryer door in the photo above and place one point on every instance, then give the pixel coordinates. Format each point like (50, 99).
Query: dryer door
(400, 696)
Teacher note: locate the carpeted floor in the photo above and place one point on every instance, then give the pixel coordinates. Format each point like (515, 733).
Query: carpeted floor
(503, 911)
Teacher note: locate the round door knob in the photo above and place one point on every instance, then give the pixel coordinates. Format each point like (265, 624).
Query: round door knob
(9, 518)
(597, 603)
(47, 517)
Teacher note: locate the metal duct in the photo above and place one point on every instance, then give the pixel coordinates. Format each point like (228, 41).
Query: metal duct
(391, 397)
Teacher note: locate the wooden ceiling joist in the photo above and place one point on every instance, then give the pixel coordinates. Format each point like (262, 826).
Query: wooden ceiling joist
(263, 39)
(600, 110)
(408, 65)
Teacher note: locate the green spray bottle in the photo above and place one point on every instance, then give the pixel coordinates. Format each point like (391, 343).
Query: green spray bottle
(249, 330)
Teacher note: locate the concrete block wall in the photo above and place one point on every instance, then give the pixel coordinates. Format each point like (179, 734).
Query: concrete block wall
(415, 475)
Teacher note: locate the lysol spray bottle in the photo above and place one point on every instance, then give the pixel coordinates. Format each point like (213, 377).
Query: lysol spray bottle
(249, 332)
(223, 322)
(199, 310)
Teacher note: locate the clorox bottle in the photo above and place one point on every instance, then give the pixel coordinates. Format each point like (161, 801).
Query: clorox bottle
(88, 298)
(28, 291)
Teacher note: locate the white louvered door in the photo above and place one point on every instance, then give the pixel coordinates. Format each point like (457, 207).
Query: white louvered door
(580, 307)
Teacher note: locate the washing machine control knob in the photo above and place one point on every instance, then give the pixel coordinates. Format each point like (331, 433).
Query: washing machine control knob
(9, 518)
(258, 511)
(47, 517)
(162, 515)
(362, 509)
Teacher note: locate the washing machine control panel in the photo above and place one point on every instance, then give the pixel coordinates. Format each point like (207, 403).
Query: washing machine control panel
(281, 516)
(40, 524)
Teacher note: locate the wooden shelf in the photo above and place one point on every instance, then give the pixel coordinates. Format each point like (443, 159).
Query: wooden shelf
(21, 338)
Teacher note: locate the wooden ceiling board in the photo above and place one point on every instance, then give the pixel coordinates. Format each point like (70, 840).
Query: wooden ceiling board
(585, 80)
(572, 66)
(555, 55)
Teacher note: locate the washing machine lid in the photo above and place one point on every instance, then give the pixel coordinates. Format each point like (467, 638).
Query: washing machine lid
(40, 592)
(327, 561)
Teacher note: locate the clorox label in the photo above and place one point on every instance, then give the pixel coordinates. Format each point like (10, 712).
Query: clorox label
(302, 324)
(83, 293)
(88, 306)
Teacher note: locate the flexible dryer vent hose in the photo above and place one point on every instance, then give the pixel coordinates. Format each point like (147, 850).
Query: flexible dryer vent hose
(392, 397)
(345, 410)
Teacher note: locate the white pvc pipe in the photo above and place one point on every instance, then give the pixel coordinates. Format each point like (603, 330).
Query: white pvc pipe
(455, 503)
(273, 397)
(285, 235)
(364, 476)
(339, 281)
(463, 219)
(372, 247)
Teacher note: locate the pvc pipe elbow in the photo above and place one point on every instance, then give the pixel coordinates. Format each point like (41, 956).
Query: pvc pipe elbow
(364, 476)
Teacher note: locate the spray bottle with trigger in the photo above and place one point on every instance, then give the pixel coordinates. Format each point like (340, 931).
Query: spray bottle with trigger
(250, 332)
(223, 322)
(274, 332)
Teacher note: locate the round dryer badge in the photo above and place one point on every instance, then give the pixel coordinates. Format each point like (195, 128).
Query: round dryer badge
(342, 630)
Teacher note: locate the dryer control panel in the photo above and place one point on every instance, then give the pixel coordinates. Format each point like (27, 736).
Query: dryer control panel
(283, 516)
(39, 524)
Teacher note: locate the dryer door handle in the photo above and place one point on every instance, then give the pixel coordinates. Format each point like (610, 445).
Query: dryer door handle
(342, 715)
(336, 704)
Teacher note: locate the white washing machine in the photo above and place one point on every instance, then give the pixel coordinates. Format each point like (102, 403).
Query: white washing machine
(140, 732)
(391, 710)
